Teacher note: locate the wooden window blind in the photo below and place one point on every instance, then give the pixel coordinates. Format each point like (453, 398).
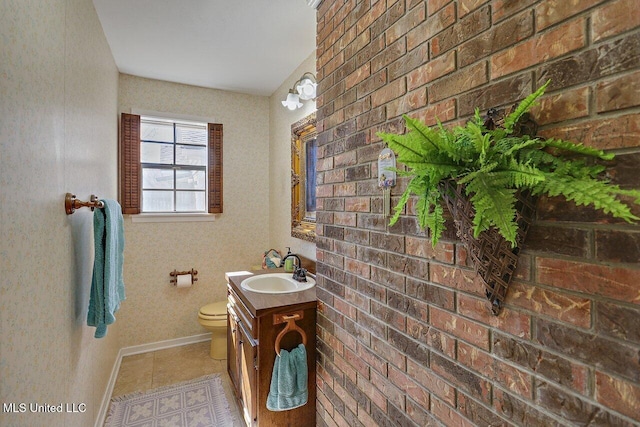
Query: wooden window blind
(131, 170)
(215, 168)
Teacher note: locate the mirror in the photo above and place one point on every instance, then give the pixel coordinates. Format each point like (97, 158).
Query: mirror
(304, 156)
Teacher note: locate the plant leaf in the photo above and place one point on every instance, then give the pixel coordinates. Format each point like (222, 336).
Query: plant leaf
(523, 107)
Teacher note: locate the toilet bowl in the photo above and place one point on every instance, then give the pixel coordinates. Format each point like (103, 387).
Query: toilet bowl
(213, 317)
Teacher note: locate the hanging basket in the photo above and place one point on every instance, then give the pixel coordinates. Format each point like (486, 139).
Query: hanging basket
(492, 255)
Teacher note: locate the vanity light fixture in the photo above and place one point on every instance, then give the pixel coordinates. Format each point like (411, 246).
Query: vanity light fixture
(304, 89)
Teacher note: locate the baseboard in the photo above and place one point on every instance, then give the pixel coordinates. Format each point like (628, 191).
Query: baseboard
(161, 345)
(137, 349)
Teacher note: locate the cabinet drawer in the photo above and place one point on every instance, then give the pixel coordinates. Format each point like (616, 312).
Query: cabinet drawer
(242, 312)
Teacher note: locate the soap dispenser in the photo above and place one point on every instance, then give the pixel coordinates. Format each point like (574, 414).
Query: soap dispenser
(288, 262)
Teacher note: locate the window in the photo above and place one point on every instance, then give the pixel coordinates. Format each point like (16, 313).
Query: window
(170, 166)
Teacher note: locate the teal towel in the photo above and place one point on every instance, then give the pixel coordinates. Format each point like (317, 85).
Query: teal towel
(107, 285)
(289, 380)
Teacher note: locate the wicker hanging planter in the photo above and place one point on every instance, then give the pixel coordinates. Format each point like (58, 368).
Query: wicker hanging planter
(493, 258)
(485, 172)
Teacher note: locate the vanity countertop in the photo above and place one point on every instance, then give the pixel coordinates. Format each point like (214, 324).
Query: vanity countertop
(260, 304)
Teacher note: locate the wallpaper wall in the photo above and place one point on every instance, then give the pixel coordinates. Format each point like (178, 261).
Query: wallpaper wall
(155, 310)
(57, 134)
(281, 120)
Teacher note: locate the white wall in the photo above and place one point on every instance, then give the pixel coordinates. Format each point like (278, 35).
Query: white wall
(155, 310)
(280, 165)
(58, 109)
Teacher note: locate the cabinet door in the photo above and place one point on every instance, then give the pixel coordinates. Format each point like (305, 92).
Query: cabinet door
(233, 336)
(248, 353)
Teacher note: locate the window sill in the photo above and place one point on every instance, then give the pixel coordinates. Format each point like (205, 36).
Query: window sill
(173, 217)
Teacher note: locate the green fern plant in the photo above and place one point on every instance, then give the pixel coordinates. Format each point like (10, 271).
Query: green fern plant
(493, 164)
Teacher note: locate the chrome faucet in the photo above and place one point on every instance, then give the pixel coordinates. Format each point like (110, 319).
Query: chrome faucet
(299, 273)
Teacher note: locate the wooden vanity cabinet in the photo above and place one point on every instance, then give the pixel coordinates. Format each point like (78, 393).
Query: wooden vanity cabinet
(251, 352)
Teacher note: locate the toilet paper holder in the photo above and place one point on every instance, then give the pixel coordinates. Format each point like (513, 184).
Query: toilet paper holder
(176, 273)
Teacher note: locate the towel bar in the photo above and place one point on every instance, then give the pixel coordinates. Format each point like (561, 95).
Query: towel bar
(71, 203)
(290, 319)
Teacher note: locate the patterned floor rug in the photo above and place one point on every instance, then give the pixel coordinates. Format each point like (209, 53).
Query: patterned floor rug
(196, 403)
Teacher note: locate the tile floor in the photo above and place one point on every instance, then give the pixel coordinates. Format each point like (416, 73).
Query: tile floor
(146, 371)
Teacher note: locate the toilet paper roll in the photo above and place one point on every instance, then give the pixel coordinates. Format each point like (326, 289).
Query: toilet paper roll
(184, 280)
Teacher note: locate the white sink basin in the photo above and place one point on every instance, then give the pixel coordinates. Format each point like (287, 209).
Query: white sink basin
(276, 283)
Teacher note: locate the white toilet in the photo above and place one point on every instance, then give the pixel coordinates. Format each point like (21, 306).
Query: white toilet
(213, 317)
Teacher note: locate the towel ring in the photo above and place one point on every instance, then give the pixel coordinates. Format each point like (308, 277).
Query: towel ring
(291, 326)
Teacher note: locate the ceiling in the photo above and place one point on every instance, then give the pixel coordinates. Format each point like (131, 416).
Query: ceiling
(248, 46)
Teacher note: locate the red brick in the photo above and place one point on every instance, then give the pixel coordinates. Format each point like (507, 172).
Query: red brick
(357, 204)
(389, 353)
(445, 412)
(551, 44)
(374, 361)
(498, 37)
(333, 63)
(460, 327)
(443, 112)
(567, 105)
(358, 75)
(348, 219)
(604, 134)
(388, 92)
(505, 8)
(620, 395)
(511, 321)
(345, 367)
(421, 247)
(344, 308)
(431, 70)
(345, 159)
(368, 18)
(461, 279)
(407, 385)
(552, 12)
(614, 18)
(332, 342)
(414, 17)
(346, 189)
(346, 339)
(561, 306)
(611, 282)
(324, 190)
(435, 5)
(432, 26)
(356, 267)
(431, 382)
(357, 44)
(460, 81)
(513, 379)
(357, 363)
(345, 396)
(434, 338)
(409, 102)
(325, 164)
(377, 398)
(618, 93)
(466, 6)
(334, 175)
(393, 394)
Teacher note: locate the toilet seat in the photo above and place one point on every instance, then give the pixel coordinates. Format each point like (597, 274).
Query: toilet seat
(214, 311)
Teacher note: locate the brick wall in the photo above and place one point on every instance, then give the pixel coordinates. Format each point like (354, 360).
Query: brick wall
(405, 335)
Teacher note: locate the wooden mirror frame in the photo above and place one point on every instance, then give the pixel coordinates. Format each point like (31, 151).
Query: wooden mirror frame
(303, 223)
